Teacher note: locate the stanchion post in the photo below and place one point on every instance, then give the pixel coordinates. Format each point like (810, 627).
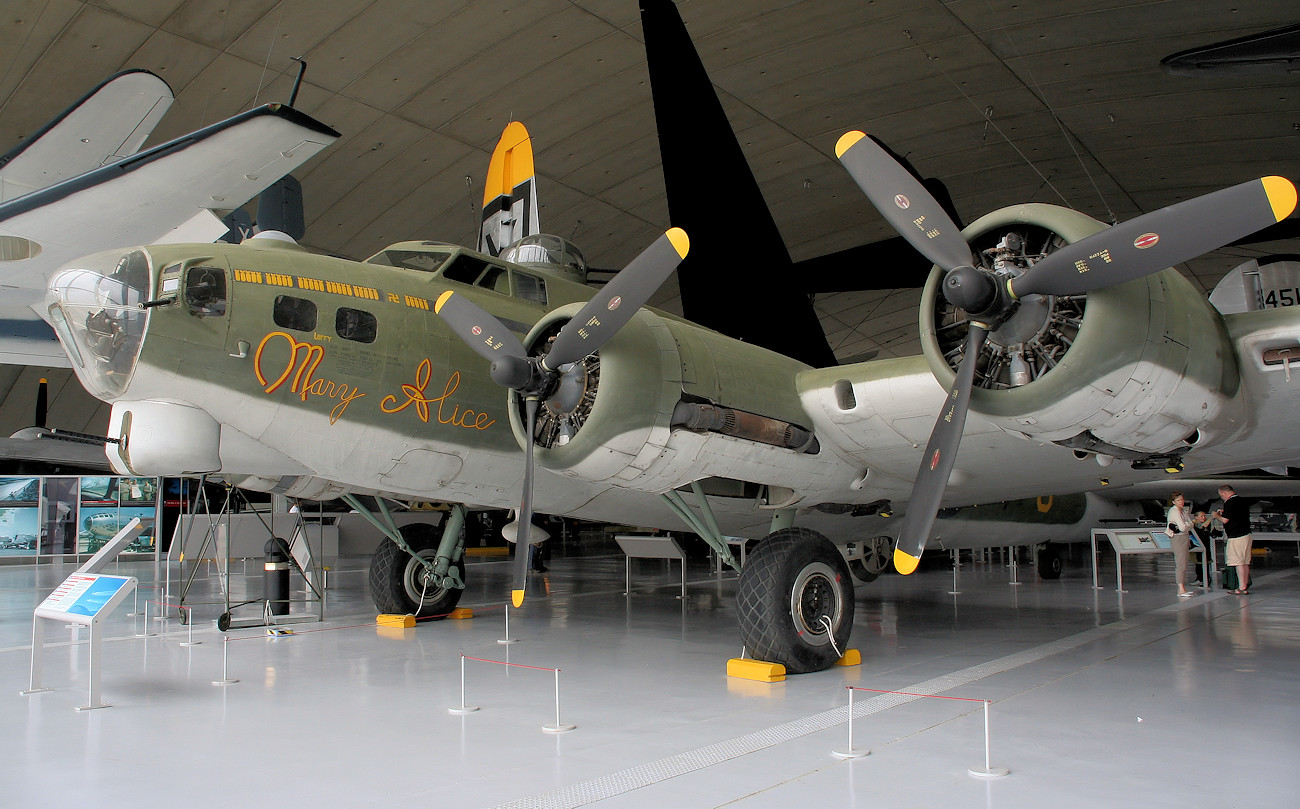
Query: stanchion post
(189, 619)
(507, 638)
(463, 709)
(989, 771)
(145, 633)
(225, 676)
(850, 752)
(558, 727)
(956, 563)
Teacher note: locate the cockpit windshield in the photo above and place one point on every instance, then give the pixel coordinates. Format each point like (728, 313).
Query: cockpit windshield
(95, 308)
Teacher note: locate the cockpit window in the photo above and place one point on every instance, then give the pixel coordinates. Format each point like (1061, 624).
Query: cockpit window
(294, 313)
(355, 324)
(205, 290)
(409, 259)
(464, 269)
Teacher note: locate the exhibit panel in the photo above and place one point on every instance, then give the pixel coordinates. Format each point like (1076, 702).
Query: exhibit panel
(60, 516)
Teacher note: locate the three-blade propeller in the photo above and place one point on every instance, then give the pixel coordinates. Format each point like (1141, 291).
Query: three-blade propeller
(536, 377)
(1127, 251)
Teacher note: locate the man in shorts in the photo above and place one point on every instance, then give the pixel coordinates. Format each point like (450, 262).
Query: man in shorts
(1235, 517)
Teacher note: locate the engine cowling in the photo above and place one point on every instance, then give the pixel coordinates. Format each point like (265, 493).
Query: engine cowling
(622, 431)
(665, 402)
(1139, 370)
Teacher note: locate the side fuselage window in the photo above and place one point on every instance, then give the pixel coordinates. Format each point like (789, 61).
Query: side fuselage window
(205, 291)
(356, 325)
(294, 313)
(530, 288)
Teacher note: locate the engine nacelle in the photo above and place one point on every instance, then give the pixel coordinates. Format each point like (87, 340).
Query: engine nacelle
(621, 432)
(1144, 368)
(665, 402)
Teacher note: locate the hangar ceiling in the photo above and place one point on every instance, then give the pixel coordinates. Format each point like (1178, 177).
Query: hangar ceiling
(1059, 101)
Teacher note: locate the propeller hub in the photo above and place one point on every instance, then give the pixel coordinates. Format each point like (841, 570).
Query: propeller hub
(975, 291)
(516, 373)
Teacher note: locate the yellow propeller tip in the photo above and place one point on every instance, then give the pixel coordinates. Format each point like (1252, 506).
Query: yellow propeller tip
(1281, 195)
(847, 140)
(681, 242)
(437, 305)
(904, 562)
(517, 598)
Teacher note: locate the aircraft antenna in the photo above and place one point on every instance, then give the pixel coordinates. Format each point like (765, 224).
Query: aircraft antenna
(297, 83)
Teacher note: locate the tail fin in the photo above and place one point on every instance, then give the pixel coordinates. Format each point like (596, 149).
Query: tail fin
(510, 193)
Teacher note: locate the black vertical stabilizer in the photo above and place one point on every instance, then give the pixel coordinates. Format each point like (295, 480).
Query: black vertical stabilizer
(738, 276)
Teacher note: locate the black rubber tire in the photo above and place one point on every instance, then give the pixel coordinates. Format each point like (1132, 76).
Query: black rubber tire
(395, 582)
(795, 566)
(880, 555)
(223, 621)
(1049, 563)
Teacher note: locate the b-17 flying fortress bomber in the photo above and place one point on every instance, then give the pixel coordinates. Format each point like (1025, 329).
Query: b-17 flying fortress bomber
(434, 372)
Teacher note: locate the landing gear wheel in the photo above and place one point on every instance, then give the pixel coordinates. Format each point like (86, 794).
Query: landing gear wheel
(223, 621)
(794, 584)
(397, 580)
(879, 554)
(1049, 563)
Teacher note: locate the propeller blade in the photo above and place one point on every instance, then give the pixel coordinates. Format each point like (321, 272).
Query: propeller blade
(903, 201)
(488, 337)
(614, 305)
(1160, 239)
(42, 402)
(937, 462)
(481, 331)
(522, 546)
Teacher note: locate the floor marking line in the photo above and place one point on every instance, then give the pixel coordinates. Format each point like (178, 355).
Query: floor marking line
(650, 773)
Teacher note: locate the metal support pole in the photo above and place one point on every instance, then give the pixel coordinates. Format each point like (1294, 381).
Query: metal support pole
(989, 771)
(189, 620)
(850, 751)
(463, 708)
(507, 638)
(38, 653)
(96, 642)
(145, 633)
(558, 727)
(225, 676)
(955, 565)
(1015, 567)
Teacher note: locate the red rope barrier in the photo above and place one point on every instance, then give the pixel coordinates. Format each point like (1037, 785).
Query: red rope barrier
(503, 663)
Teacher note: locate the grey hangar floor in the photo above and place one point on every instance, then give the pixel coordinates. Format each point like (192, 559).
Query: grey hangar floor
(1095, 697)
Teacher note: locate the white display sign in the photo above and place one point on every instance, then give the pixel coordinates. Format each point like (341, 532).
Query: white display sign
(83, 594)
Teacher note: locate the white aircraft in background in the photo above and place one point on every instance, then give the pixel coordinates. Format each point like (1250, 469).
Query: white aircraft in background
(81, 184)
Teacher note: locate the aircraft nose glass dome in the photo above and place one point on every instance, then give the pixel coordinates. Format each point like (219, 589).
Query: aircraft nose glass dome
(95, 308)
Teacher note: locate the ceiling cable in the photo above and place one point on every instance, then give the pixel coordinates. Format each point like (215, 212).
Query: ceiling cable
(986, 114)
(1037, 90)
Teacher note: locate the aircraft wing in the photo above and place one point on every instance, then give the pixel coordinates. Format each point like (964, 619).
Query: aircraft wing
(167, 193)
(109, 123)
